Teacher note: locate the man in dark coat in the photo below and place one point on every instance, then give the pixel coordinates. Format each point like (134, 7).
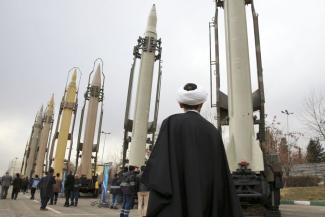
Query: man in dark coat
(187, 172)
(115, 190)
(5, 184)
(75, 191)
(129, 189)
(68, 188)
(16, 185)
(46, 188)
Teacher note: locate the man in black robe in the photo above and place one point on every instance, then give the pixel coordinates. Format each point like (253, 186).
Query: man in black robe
(187, 172)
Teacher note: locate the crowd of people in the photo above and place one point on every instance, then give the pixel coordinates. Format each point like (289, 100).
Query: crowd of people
(187, 172)
(49, 187)
(125, 187)
(19, 184)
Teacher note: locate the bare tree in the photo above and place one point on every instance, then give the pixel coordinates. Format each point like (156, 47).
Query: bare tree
(283, 144)
(314, 115)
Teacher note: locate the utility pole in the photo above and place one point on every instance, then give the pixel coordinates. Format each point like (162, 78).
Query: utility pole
(105, 133)
(287, 113)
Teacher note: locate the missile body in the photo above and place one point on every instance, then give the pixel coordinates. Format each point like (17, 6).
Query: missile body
(143, 96)
(69, 104)
(48, 120)
(243, 145)
(87, 147)
(23, 165)
(34, 143)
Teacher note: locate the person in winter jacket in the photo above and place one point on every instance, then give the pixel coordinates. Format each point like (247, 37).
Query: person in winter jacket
(5, 184)
(75, 191)
(129, 189)
(16, 185)
(33, 186)
(56, 189)
(115, 191)
(68, 188)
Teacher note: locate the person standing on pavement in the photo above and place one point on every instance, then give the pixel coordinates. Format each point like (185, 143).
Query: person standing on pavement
(75, 191)
(56, 189)
(5, 184)
(129, 189)
(96, 187)
(68, 187)
(46, 188)
(143, 195)
(34, 184)
(187, 172)
(115, 190)
(24, 185)
(16, 186)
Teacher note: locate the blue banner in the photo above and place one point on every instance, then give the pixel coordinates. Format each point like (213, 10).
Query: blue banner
(104, 196)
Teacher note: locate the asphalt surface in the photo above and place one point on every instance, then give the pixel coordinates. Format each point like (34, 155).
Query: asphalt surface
(24, 207)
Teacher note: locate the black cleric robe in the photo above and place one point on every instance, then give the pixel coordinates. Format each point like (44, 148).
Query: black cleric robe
(187, 172)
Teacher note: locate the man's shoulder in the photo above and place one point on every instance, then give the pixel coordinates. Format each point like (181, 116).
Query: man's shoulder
(177, 117)
(191, 116)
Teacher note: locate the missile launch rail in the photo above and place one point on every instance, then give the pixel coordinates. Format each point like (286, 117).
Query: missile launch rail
(259, 193)
(88, 185)
(64, 105)
(154, 46)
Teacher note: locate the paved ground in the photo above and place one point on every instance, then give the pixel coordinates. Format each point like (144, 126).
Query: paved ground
(23, 207)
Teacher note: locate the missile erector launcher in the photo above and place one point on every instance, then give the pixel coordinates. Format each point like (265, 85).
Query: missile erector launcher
(87, 150)
(148, 50)
(257, 174)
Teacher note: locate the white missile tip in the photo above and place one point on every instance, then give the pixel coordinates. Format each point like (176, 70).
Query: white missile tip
(97, 77)
(51, 102)
(152, 20)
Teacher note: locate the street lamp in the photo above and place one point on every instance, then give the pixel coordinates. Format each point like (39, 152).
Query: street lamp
(287, 113)
(105, 133)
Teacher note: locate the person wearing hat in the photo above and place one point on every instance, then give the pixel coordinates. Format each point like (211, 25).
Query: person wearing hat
(187, 172)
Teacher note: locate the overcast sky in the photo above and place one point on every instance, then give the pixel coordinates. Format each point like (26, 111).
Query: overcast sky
(41, 40)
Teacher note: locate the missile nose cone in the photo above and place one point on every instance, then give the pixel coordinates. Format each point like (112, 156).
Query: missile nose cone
(152, 20)
(39, 115)
(51, 102)
(97, 77)
(74, 76)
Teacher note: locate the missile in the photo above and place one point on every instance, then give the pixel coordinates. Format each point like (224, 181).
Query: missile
(69, 105)
(34, 143)
(243, 146)
(43, 141)
(23, 165)
(143, 95)
(88, 145)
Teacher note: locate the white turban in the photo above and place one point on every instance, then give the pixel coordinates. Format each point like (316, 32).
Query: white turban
(192, 97)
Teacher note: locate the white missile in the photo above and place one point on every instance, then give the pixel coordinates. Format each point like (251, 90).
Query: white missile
(87, 147)
(34, 143)
(143, 96)
(43, 141)
(243, 146)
